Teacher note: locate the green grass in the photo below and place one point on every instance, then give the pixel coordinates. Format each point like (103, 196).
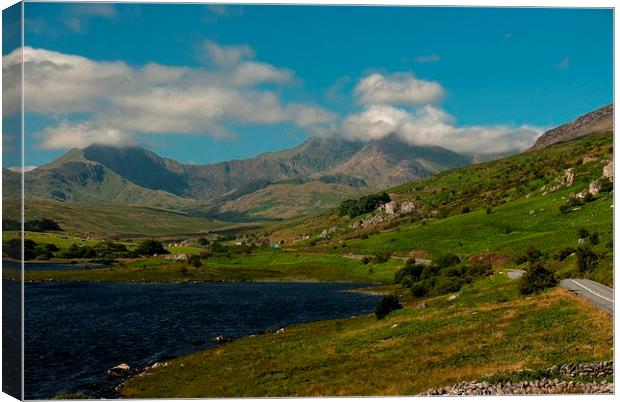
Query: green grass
(521, 216)
(488, 329)
(266, 266)
(113, 221)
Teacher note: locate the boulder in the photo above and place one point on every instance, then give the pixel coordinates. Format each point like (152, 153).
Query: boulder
(121, 371)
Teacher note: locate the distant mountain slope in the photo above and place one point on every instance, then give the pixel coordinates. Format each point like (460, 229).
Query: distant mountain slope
(320, 172)
(389, 161)
(597, 121)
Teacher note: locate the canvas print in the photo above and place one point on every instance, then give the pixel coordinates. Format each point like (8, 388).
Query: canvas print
(229, 200)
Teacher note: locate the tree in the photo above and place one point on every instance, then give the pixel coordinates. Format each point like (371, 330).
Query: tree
(386, 305)
(151, 247)
(536, 279)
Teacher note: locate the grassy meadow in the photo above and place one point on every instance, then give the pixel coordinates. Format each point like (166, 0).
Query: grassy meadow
(488, 329)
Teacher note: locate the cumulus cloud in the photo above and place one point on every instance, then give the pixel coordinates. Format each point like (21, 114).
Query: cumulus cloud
(227, 55)
(398, 88)
(79, 135)
(121, 100)
(401, 105)
(430, 125)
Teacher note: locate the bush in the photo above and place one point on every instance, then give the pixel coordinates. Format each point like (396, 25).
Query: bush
(448, 260)
(594, 240)
(203, 241)
(381, 258)
(419, 289)
(41, 225)
(194, 261)
(363, 205)
(151, 247)
(582, 233)
(532, 254)
(586, 259)
(536, 279)
(565, 252)
(386, 305)
(411, 271)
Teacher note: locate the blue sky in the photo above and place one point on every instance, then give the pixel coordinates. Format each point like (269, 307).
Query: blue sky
(479, 74)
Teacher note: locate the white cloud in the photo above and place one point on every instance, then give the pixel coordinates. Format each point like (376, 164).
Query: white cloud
(402, 105)
(227, 55)
(398, 88)
(79, 135)
(429, 125)
(121, 100)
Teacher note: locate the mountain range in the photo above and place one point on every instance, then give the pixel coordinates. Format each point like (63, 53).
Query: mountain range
(314, 175)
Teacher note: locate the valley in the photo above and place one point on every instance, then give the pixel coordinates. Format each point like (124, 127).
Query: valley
(442, 243)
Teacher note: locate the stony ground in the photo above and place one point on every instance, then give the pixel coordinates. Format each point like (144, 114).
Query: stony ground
(564, 379)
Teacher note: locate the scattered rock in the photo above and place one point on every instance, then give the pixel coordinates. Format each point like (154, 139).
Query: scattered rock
(121, 371)
(220, 339)
(540, 386)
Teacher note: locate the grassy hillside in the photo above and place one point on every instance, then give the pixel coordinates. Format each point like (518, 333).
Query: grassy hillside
(115, 220)
(487, 329)
(261, 266)
(497, 209)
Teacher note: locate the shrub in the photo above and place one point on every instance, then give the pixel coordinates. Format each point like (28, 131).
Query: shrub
(203, 241)
(565, 252)
(363, 205)
(151, 247)
(448, 260)
(594, 240)
(386, 305)
(381, 258)
(536, 279)
(582, 233)
(41, 225)
(411, 271)
(586, 259)
(447, 284)
(419, 289)
(194, 261)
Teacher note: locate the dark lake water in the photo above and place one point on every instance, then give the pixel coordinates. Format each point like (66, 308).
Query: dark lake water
(74, 332)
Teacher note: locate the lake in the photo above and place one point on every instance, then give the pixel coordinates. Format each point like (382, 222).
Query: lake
(74, 332)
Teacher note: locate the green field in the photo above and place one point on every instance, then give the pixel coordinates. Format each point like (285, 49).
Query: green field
(114, 221)
(487, 329)
(262, 266)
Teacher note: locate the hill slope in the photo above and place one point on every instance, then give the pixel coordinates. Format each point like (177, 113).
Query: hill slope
(597, 121)
(492, 211)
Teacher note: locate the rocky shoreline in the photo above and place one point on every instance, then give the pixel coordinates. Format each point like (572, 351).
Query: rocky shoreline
(557, 380)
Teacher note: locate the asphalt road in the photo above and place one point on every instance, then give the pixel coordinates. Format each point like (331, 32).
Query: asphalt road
(599, 295)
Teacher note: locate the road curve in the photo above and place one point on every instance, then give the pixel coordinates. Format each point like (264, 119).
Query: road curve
(599, 295)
